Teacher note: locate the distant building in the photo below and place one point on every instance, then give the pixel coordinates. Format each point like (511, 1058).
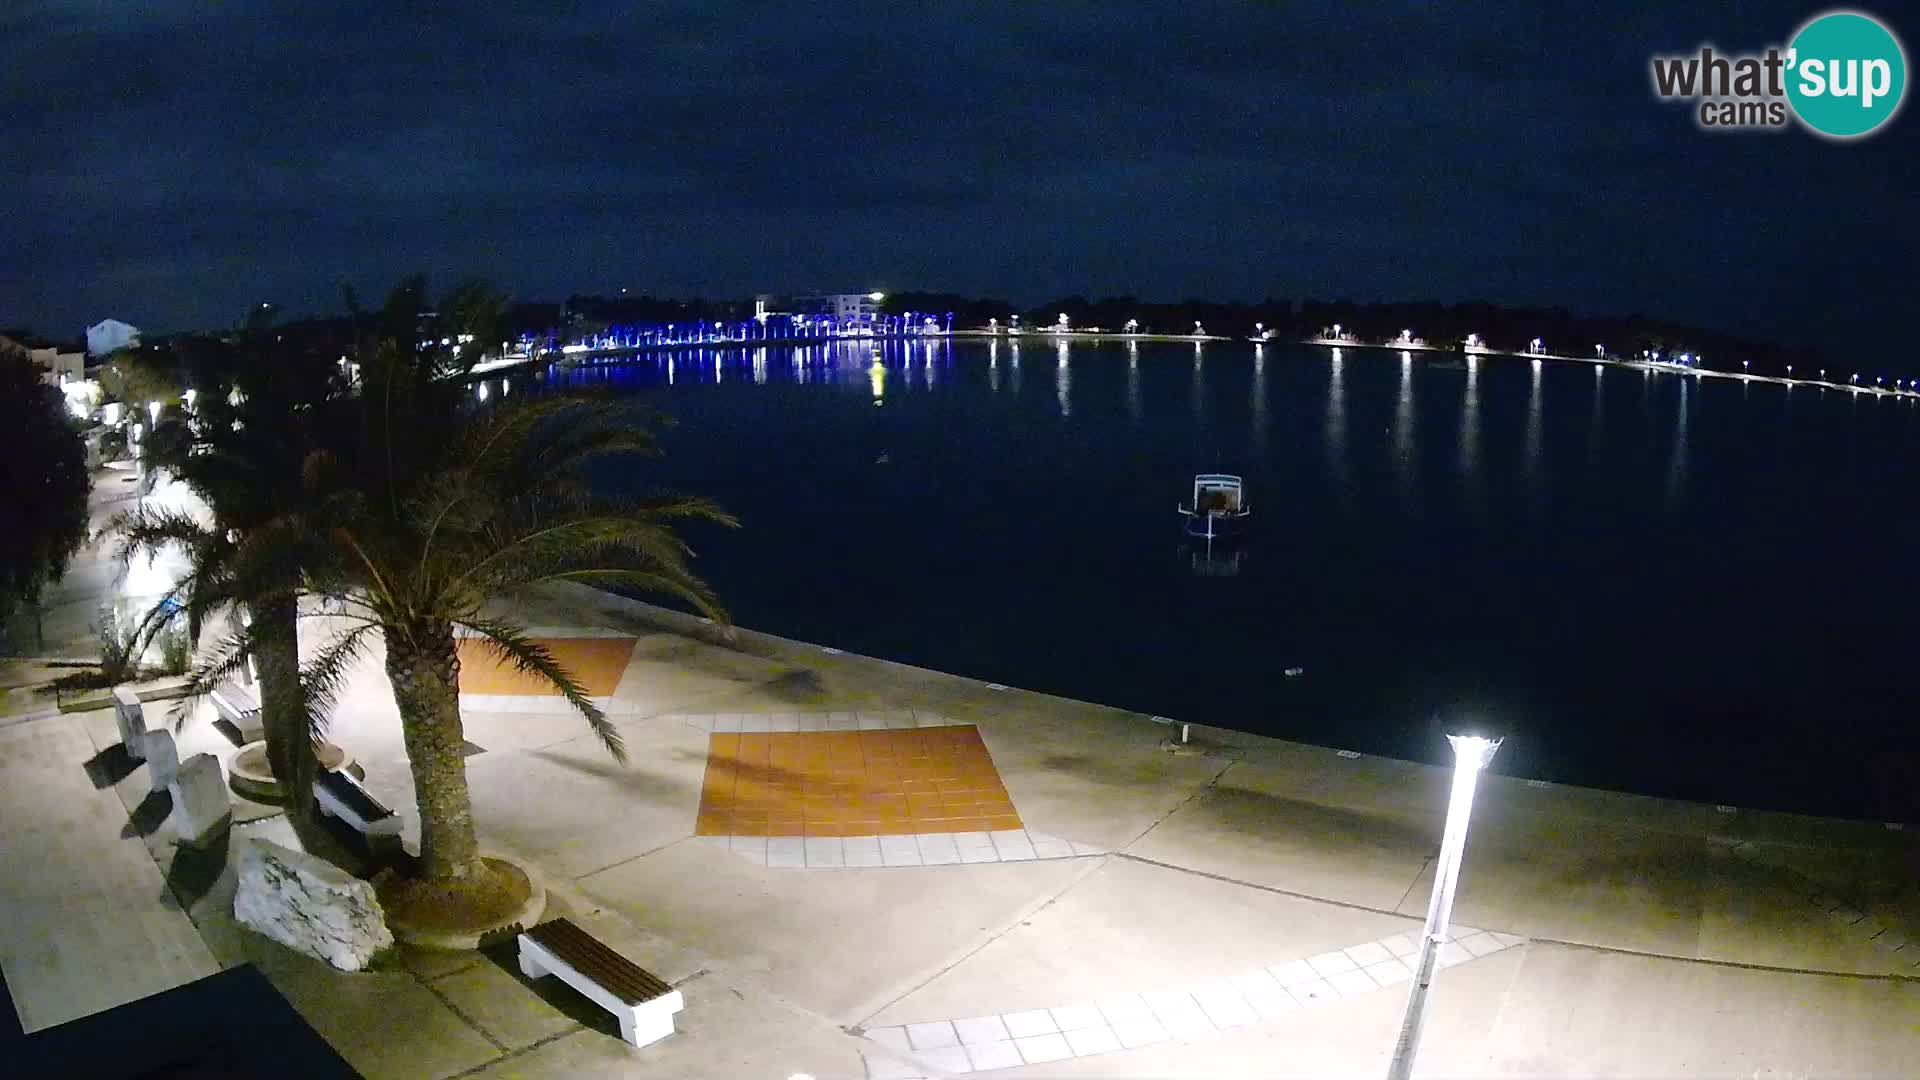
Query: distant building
(61, 365)
(850, 311)
(110, 334)
(58, 364)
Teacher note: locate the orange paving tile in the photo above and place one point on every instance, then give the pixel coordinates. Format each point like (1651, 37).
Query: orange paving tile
(852, 783)
(597, 662)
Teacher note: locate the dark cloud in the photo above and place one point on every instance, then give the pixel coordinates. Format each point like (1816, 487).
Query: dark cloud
(173, 162)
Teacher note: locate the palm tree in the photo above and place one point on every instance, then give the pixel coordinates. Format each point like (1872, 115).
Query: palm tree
(438, 506)
(261, 411)
(504, 510)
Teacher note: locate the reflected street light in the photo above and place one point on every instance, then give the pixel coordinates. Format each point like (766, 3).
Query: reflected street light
(1470, 754)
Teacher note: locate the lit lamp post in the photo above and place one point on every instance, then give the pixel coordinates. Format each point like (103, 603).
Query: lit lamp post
(1470, 754)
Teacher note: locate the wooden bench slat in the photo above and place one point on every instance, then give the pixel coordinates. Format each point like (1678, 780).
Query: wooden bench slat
(592, 958)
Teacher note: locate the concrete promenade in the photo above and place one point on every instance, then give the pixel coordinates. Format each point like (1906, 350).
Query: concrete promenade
(1247, 916)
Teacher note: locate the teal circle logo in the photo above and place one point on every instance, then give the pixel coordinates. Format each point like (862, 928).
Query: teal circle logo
(1846, 74)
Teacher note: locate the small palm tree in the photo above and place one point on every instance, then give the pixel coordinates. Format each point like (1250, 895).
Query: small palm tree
(437, 506)
(504, 507)
(261, 412)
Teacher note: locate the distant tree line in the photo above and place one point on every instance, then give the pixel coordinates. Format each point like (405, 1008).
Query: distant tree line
(1501, 327)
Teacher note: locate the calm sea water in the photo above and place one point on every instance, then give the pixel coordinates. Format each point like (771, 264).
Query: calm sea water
(1701, 589)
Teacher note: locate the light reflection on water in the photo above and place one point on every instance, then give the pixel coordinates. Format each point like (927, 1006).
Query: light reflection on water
(1531, 455)
(1677, 462)
(1063, 380)
(1470, 426)
(1133, 379)
(1403, 429)
(1337, 416)
(1258, 405)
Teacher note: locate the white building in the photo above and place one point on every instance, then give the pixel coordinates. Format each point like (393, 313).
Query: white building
(57, 366)
(110, 334)
(848, 310)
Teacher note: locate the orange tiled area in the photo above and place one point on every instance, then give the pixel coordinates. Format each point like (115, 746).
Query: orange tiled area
(598, 662)
(852, 783)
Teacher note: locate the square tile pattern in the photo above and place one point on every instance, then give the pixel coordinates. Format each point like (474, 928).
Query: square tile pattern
(596, 662)
(887, 782)
(1129, 1020)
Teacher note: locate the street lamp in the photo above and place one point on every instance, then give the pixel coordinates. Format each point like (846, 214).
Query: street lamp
(1471, 753)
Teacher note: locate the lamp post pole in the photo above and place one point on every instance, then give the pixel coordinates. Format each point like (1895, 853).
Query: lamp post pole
(1470, 754)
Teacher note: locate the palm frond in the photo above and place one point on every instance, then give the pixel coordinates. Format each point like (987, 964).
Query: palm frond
(512, 644)
(227, 658)
(325, 676)
(685, 587)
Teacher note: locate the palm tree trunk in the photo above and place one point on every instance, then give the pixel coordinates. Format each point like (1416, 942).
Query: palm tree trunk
(283, 707)
(425, 671)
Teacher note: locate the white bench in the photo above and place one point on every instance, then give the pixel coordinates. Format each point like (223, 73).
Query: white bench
(642, 1003)
(239, 705)
(341, 797)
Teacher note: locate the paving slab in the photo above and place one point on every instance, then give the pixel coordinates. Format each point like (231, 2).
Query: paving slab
(1573, 1012)
(812, 936)
(90, 922)
(1277, 823)
(385, 1023)
(1135, 926)
(576, 810)
(724, 1033)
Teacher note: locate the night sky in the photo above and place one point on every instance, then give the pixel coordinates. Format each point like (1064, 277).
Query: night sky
(171, 162)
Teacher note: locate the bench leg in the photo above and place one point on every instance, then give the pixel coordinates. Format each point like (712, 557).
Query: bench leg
(643, 1026)
(529, 966)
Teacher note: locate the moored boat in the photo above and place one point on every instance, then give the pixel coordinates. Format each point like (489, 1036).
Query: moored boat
(1219, 507)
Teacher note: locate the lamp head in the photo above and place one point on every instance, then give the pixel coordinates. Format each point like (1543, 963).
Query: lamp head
(1473, 741)
(1474, 751)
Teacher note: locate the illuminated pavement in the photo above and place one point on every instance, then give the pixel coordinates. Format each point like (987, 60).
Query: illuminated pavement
(1634, 936)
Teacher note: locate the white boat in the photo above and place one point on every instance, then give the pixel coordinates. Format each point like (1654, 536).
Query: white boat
(1219, 506)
